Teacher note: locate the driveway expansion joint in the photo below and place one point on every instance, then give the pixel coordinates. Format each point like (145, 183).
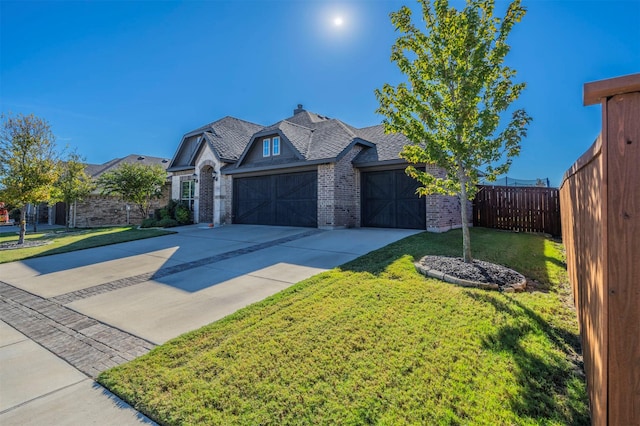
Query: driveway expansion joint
(85, 293)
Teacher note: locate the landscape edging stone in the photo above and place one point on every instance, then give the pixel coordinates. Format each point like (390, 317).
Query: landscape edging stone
(519, 286)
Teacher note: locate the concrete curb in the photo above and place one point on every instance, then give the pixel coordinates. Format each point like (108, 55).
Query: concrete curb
(518, 287)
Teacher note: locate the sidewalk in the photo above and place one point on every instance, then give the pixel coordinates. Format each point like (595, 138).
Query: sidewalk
(39, 388)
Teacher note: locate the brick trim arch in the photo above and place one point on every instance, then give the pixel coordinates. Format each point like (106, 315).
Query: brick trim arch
(206, 192)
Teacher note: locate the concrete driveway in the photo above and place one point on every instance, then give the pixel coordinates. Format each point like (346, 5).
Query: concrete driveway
(89, 310)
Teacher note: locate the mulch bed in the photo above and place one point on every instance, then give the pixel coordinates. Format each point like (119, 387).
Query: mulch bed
(12, 245)
(477, 272)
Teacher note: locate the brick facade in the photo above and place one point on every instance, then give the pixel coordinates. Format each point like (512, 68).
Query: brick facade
(339, 196)
(339, 193)
(99, 210)
(443, 211)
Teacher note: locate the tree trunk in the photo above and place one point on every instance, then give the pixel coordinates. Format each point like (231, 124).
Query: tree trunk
(23, 224)
(67, 220)
(35, 218)
(466, 237)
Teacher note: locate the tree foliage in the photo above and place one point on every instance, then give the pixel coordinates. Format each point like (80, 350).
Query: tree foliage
(135, 183)
(73, 183)
(28, 163)
(457, 89)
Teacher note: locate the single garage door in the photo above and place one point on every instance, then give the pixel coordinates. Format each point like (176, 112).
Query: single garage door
(389, 200)
(288, 199)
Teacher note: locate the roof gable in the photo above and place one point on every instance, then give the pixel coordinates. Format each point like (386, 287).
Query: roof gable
(387, 146)
(293, 140)
(226, 137)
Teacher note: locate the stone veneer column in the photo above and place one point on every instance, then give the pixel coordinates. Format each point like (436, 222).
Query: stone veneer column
(226, 199)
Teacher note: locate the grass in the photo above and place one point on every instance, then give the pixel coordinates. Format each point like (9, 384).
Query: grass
(374, 342)
(61, 241)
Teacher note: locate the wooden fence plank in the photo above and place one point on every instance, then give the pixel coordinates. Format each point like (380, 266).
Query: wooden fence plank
(623, 140)
(523, 209)
(600, 197)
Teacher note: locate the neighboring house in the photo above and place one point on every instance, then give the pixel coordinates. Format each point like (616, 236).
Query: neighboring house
(307, 170)
(100, 210)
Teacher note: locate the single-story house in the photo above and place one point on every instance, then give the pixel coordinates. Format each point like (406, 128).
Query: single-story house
(306, 170)
(101, 210)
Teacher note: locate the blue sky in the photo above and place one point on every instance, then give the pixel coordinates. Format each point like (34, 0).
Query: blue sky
(120, 77)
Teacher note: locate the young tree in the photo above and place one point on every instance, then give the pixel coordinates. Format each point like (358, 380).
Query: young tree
(73, 183)
(457, 89)
(135, 183)
(28, 163)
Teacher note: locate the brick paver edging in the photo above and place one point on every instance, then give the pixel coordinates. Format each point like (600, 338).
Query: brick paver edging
(87, 344)
(169, 270)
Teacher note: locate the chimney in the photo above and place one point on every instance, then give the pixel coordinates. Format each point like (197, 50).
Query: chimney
(298, 110)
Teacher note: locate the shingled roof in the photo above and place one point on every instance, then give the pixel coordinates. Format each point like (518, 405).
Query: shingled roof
(230, 136)
(387, 146)
(316, 138)
(226, 137)
(95, 170)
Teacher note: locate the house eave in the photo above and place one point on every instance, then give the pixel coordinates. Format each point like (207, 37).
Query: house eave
(180, 168)
(369, 164)
(296, 165)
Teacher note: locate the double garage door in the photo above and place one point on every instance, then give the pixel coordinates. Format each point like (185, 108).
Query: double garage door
(389, 200)
(288, 199)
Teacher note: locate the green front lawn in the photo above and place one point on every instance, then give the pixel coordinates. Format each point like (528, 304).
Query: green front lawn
(60, 241)
(374, 342)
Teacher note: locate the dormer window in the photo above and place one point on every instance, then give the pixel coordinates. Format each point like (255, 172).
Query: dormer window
(266, 147)
(276, 145)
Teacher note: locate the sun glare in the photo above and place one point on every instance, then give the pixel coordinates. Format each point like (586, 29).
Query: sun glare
(337, 21)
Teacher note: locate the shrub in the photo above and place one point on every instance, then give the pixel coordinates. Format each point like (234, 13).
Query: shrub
(182, 214)
(148, 223)
(167, 222)
(175, 211)
(165, 213)
(15, 215)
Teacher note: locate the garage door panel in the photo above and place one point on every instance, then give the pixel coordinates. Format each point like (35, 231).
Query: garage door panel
(406, 187)
(296, 187)
(389, 200)
(407, 216)
(381, 214)
(252, 189)
(257, 213)
(378, 187)
(295, 214)
(286, 199)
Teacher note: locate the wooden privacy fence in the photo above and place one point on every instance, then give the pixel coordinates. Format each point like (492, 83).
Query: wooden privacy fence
(600, 197)
(523, 209)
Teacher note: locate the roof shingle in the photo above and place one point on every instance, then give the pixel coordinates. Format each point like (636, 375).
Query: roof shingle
(314, 136)
(95, 170)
